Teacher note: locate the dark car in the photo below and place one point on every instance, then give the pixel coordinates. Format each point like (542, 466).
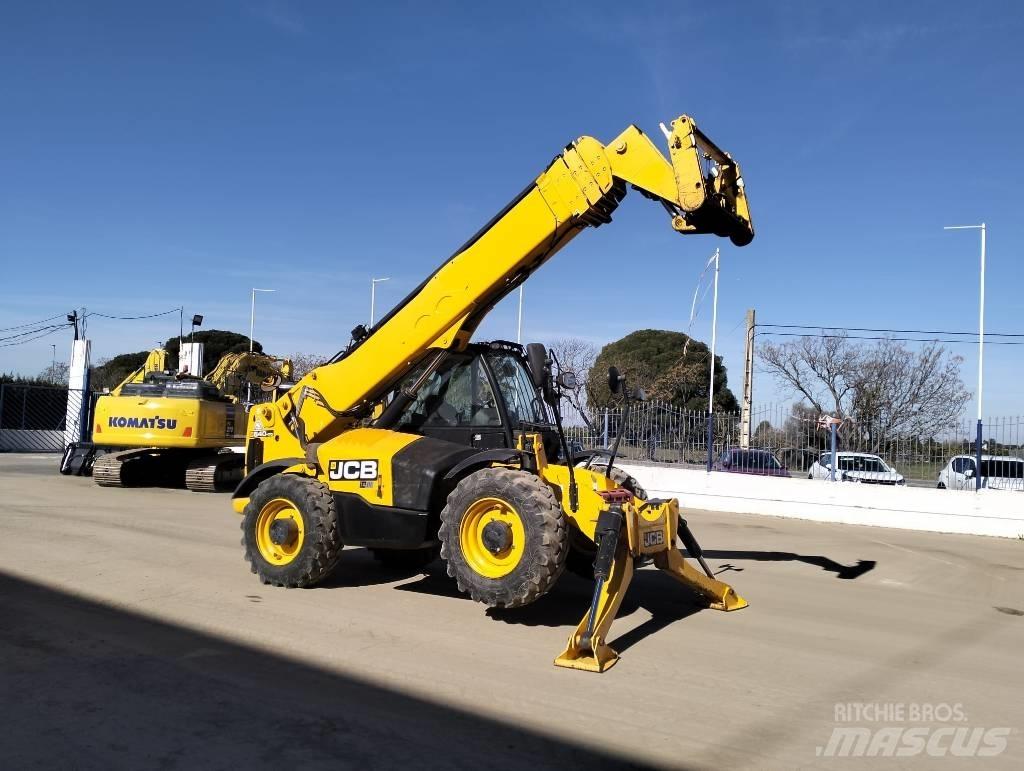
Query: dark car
(759, 462)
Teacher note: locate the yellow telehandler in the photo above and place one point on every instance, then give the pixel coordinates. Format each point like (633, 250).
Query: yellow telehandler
(412, 438)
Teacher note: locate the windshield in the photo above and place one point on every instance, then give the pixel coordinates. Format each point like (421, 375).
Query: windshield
(860, 463)
(1007, 469)
(516, 387)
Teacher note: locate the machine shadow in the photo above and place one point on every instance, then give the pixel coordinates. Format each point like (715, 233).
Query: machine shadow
(846, 572)
(91, 686)
(569, 601)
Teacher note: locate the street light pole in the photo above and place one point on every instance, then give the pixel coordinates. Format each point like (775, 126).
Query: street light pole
(252, 313)
(373, 296)
(711, 379)
(981, 347)
(519, 325)
(53, 363)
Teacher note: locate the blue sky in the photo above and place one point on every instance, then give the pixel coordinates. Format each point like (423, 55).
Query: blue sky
(159, 154)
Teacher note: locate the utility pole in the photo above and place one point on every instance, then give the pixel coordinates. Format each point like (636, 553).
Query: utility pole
(53, 363)
(748, 382)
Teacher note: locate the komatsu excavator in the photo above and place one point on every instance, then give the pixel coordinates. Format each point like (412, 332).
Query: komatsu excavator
(412, 438)
(166, 429)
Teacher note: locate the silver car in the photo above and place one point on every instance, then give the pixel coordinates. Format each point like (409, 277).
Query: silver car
(998, 472)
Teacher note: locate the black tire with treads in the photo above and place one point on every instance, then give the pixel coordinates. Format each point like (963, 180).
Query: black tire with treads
(321, 546)
(546, 534)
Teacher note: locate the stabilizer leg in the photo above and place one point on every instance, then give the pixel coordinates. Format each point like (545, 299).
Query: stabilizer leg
(597, 656)
(720, 596)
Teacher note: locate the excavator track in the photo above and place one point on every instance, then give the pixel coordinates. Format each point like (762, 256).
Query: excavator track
(214, 473)
(139, 468)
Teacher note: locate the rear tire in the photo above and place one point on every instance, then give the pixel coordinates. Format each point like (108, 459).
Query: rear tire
(526, 533)
(305, 510)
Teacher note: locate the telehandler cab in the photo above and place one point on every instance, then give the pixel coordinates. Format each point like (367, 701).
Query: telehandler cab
(412, 438)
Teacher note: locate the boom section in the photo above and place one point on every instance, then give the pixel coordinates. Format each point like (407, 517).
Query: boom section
(700, 187)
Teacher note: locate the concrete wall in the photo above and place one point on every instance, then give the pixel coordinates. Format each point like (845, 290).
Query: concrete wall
(989, 512)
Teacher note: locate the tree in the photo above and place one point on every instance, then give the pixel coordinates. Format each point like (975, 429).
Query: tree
(669, 366)
(216, 342)
(108, 373)
(304, 363)
(878, 390)
(57, 373)
(577, 356)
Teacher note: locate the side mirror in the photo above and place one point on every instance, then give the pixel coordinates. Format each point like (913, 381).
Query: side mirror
(537, 356)
(969, 473)
(614, 380)
(567, 380)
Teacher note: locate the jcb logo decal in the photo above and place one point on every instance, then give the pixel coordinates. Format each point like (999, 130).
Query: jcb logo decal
(352, 469)
(653, 538)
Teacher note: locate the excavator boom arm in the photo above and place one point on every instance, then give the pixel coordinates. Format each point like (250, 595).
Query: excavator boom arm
(700, 186)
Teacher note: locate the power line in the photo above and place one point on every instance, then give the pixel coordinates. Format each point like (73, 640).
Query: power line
(897, 339)
(133, 318)
(32, 331)
(46, 333)
(31, 324)
(895, 331)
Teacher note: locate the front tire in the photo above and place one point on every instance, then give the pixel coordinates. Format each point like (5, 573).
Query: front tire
(504, 537)
(290, 531)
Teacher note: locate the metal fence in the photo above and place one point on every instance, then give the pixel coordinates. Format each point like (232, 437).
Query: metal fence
(33, 418)
(662, 433)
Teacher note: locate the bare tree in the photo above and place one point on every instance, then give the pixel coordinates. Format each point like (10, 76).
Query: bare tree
(576, 355)
(304, 363)
(878, 390)
(57, 373)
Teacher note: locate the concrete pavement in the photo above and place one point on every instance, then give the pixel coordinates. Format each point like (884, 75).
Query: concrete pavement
(134, 636)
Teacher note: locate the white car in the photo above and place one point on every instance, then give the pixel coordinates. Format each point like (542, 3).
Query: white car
(998, 472)
(860, 467)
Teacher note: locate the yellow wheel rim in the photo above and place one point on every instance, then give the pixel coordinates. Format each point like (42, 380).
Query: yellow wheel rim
(291, 527)
(500, 553)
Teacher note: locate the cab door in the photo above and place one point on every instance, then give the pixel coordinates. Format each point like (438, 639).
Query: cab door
(457, 404)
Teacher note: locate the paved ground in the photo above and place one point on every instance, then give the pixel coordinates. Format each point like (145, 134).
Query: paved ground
(133, 636)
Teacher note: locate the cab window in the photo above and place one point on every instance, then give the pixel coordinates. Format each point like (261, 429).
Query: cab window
(457, 394)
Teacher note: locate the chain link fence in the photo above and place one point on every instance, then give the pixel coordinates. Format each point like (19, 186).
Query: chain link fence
(658, 432)
(33, 418)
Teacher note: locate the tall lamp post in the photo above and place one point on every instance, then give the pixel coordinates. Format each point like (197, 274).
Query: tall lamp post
(252, 313)
(53, 363)
(981, 346)
(711, 379)
(373, 296)
(519, 324)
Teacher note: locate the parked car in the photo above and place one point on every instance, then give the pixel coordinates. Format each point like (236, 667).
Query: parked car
(759, 462)
(998, 472)
(860, 467)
